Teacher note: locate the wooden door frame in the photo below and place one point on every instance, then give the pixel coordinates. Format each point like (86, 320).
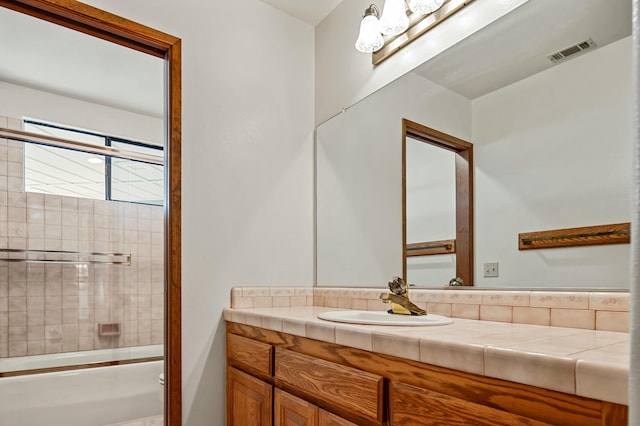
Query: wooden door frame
(98, 23)
(464, 193)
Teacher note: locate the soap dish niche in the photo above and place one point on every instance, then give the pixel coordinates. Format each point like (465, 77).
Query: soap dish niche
(109, 329)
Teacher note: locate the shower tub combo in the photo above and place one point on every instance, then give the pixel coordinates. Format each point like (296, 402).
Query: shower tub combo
(89, 388)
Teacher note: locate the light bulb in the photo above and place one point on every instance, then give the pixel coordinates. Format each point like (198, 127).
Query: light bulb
(394, 18)
(369, 39)
(424, 7)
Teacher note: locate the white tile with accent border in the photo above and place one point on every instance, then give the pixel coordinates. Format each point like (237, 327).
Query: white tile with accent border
(354, 337)
(559, 299)
(600, 380)
(535, 369)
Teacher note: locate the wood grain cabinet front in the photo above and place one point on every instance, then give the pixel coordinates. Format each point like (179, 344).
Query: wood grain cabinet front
(250, 355)
(249, 400)
(290, 410)
(343, 389)
(326, 418)
(411, 405)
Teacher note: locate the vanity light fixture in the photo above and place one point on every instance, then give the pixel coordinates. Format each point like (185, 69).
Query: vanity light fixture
(424, 7)
(370, 39)
(402, 21)
(394, 19)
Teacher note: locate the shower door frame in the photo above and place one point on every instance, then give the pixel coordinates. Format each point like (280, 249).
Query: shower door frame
(107, 26)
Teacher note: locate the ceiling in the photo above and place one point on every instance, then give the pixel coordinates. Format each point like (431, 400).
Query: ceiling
(44, 56)
(48, 57)
(309, 11)
(488, 60)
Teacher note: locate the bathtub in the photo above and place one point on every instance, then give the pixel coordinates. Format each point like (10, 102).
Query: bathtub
(81, 397)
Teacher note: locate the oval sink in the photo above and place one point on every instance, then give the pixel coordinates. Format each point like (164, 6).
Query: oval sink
(383, 318)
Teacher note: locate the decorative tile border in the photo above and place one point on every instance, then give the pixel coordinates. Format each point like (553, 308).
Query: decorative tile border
(607, 311)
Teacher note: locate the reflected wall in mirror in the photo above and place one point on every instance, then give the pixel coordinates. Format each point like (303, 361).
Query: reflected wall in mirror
(437, 195)
(552, 144)
(359, 179)
(72, 215)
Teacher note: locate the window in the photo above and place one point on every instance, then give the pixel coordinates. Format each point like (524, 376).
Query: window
(52, 170)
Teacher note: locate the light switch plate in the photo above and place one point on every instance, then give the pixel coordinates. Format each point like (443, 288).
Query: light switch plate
(491, 270)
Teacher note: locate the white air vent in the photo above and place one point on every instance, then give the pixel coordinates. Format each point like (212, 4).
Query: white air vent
(572, 50)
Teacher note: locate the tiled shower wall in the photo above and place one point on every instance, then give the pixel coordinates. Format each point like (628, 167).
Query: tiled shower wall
(53, 307)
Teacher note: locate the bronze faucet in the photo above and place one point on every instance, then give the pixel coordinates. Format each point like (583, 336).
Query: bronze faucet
(398, 299)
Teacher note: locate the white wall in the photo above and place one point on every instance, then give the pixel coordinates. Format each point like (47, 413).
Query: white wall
(634, 302)
(359, 178)
(247, 161)
(554, 151)
(344, 76)
(19, 102)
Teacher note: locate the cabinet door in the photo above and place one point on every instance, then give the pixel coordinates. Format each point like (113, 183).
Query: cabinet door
(410, 405)
(248, 400)
(326, 418)
(293, 411)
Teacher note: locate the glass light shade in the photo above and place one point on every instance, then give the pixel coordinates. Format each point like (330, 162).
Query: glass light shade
(369, 40)
(394, 18)
(424, 7)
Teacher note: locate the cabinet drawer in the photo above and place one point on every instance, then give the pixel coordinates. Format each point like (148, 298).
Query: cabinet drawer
(351, 390)
(410, 405)
(249, 355)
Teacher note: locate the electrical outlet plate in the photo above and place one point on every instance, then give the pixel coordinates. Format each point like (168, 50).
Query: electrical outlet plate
(491, 269)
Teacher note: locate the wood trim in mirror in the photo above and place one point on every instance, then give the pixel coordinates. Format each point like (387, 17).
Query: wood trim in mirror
(428, 248)
(616, 233)
(464, 193)
(98, 23)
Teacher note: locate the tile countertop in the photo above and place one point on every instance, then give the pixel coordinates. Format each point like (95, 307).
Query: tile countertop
(589, 363)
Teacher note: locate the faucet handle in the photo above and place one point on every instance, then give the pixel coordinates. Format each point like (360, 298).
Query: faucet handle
(398, 286)
(456, 282)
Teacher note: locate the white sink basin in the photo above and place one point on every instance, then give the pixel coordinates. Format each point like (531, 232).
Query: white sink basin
(383, 318)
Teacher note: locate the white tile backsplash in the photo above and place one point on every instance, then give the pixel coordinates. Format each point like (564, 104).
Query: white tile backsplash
(597, 310)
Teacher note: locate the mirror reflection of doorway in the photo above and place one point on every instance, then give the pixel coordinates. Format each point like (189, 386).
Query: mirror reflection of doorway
(430, 211)
(437, 192)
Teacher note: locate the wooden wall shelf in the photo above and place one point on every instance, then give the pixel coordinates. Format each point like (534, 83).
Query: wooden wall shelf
(431, 247)
(617, 233)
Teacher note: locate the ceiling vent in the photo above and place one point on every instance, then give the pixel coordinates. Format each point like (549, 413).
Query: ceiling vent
(572, 50)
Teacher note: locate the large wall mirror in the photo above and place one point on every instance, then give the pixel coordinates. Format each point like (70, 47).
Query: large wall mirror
(90, 136)
(544, 94)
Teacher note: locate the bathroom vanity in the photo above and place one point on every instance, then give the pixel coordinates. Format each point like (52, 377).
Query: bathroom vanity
(296, 380)
(304, 377)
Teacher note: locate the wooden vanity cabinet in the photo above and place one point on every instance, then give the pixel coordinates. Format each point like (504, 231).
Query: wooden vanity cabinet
(341, 388)
(411, 405)
(253, 398)
(326, 418)
(291, 380)
(249, 400)
(289, 410)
